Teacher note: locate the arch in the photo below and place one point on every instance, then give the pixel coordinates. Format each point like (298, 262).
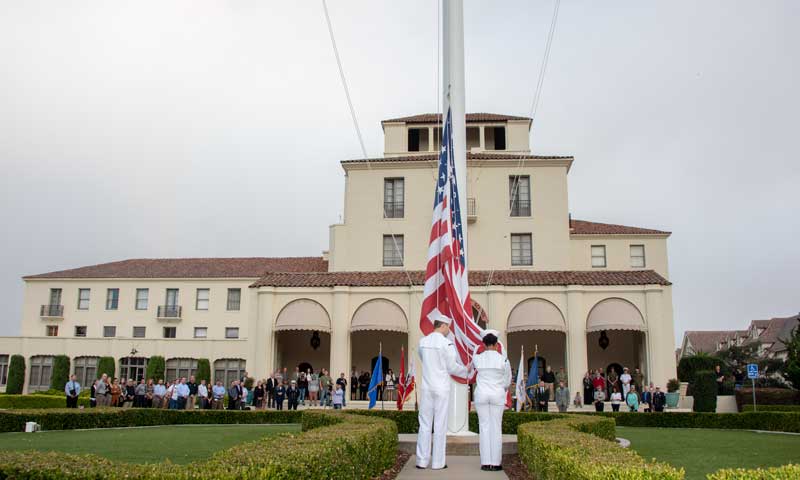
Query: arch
(379, 314)
(535, 314)
(303, 314)
(615, 314)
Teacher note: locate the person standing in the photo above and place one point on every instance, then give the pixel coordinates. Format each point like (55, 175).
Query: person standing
(183, 394)
(191, 399)
(363, 385)
(116, 393)
(338, 397)
(158, 394)
(354, 385)
(269, 389)
(389, 381)
(494, 377)
(202, 394)
(599, 399)
(139, 393)
(439, 361)
(293, 395)
(561, 376)
(93, 394)
(632, 400)
(638, 378)
(562, 397)
(541, 395)
(102, 391)
(625, 379)
(720, 379)
(616, 399)
(613, 381)
(342, 382)
(659, 400)
(233, 395)
(324, 387)
(72, 389)
(549, 378)
(587, 389)
(647, 398)
(218, 396)
(258, 395)
(598, 381)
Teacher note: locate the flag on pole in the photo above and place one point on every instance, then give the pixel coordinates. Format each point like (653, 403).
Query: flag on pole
(446, 292)
(533, 373)
(376, 381)
(522, 395)
(410, 380)
(401, 380)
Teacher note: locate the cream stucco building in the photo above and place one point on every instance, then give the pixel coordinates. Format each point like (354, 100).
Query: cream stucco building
(539, 277)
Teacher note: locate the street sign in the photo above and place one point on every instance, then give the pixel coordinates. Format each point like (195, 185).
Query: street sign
(752, 371)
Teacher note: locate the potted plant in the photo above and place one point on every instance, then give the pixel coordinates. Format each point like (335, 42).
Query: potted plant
(673, 392)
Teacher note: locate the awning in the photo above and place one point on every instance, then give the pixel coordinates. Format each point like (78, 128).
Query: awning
(615, 314)
(535, 314)
(379, 314)
(303, 314)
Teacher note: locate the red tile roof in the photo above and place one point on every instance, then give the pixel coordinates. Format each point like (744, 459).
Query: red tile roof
(582, 227)
(433, 158)
(476, 278)
(471, 117)
(706, 340)
(192, 268)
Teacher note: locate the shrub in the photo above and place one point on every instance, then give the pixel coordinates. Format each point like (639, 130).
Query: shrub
(767, 396)
(407, 420)
(786, 472)
(106, 365)
(155, 368)
(37, 401)
(332, 445)
(673, 385)
(203, 370)
(771, 421)
(60, 374)
(771, 408)
(16, 374)
(705, 391)
(689, 366)
(579, 447)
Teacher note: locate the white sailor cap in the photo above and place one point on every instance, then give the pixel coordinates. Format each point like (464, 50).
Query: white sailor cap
(437, 316)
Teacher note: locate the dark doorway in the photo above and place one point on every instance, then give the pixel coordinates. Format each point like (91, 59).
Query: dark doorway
(305, 366)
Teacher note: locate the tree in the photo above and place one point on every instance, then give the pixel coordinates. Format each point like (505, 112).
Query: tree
(688, 366)
(792, 368)
(106, 365)
(155, 368)
(203, 370)
(740, 355)
(704, 391)
(60, 375)
(16, 374)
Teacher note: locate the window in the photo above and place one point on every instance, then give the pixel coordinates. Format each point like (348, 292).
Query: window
(232, 332)
(172, 297)
(413, 140)
(392, 250)
(521, 249)
(132, 367)
(393, 198)
(180, 367)
(139, 332)
(519, 194)
(598, 256)
(637, 256)
(112, 298)
(142, 295)
(202, 299)
(495, 138)
(41, 369)
(3, 369)
(234, 298)
(170, 332)
(473, 138)
(228, 370)
(80, 330)
(52, 331)
(200, 332)
(86, 370)
(83, 299)
(109, 331)
(55, 296)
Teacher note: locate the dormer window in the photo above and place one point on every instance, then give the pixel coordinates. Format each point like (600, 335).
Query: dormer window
(495, 138)
(418, 140)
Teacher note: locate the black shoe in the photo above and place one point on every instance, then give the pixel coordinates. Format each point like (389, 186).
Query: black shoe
(421, 468)
(496, 468)
(486, 468)
(439, 468)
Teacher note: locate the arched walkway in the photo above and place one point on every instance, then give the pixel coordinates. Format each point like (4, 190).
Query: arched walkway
(537, 322)
(378, 324)
(616, 334)
(302, 335)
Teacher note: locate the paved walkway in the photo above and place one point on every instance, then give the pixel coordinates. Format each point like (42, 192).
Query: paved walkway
(462, 468)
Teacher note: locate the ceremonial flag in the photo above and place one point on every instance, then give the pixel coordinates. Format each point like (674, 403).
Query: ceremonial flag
(410, 380)
(522, 395)
(446, 293)
(376, 381)
(533, 373)
(401, 381)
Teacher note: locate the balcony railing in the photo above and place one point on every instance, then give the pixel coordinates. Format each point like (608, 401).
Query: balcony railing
(472, 210)
(393, 209)
(169, 311)
(521, 208)
(52, 311)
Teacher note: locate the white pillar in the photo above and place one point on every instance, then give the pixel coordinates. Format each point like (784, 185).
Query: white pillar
(263, 335)
(340, 332)
(577, 361)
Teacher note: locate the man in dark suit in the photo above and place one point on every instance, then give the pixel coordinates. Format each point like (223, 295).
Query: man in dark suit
(541, 395)
(658, 400)
(233, 395)
(647, 400)
(270, 390)
(363, 385)
(293, 395)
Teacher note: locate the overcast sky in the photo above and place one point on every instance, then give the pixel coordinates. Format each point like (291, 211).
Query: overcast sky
(212, 128)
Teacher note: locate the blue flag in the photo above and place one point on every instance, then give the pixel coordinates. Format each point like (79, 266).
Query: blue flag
(533, 373)
(377, 380)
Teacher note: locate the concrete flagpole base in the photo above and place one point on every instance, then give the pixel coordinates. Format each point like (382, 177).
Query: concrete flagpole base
(458, 411)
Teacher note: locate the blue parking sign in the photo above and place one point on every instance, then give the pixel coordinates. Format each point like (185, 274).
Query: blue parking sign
(752, 370)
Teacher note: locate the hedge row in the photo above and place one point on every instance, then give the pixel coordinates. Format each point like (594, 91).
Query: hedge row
(37, 401)
(582, 447)
(332, 445)
(407, 420)
(786, 472)
(772, 408)
(767, 396)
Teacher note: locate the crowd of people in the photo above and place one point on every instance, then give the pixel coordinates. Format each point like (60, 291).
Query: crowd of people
(359, 385)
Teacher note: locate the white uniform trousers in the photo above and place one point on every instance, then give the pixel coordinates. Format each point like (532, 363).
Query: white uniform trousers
(490, 422)
(432, 415)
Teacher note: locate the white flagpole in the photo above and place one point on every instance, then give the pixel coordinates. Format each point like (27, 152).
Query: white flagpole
(453, 99)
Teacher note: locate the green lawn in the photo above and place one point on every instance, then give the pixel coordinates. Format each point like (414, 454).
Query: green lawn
(178, 443)
(701, 451)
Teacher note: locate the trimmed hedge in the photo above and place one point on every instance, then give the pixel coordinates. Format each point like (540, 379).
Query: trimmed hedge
(156, 366)
(60, 375)
(767, 396)
(786, 472)
(582, 447)
(18, 402)
(689, 366)
(203, 370)
(704, 391)
(332, 445)
(106, 365)
(407, 420)
(16, 374)
(772, 408)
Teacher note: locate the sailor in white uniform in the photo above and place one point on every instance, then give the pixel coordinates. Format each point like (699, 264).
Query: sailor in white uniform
(494, 378)
(439, 361)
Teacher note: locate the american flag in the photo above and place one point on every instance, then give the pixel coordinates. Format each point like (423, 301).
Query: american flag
(446, 293)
